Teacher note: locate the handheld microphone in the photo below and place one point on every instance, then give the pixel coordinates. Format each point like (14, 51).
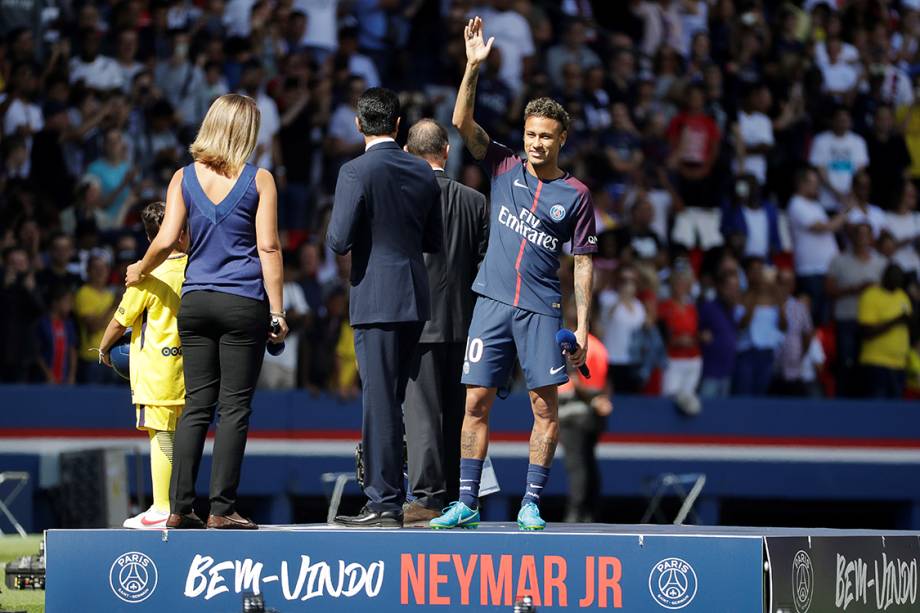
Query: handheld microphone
(566, 341)
(275, 348)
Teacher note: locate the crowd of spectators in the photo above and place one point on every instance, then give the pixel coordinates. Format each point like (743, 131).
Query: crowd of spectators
(754, 168)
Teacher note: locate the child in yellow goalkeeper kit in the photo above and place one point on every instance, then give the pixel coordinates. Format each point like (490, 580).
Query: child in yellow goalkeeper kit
(151, 309)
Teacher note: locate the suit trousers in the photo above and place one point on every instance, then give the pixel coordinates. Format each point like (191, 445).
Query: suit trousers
(223, 343)
(385, 353)
(435, 404)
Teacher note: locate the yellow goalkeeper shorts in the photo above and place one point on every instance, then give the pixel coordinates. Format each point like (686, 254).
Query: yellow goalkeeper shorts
(162, 418)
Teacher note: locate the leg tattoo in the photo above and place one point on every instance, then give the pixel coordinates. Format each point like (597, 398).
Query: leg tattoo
(542, 449)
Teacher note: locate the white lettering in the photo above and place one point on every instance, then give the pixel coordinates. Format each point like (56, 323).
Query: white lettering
(215, 587)
(314, 579)
(895, 582)
(195, 582)
(286, 585)
(526, 225)
(248, 577)
(898, 583)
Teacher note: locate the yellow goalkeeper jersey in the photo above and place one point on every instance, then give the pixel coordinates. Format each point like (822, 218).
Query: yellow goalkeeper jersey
(151, 309)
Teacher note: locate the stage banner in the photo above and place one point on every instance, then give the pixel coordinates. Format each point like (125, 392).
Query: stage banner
(857, 574)
(401, 570)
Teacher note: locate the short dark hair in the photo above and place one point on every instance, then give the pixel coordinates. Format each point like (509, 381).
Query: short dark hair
(803, 173)
(549, 108)
(152, 217)
(426, 138)
(378, 110)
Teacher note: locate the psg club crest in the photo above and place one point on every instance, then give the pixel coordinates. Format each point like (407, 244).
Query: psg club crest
(803, 581)
(672, 583)
(557, 212)
(133, 577)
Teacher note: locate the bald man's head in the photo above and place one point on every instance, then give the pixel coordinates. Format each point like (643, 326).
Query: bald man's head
(428, 140)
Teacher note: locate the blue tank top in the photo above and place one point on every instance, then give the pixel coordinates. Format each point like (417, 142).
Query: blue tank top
(222, 253)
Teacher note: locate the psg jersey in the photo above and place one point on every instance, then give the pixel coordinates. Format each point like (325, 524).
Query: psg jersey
(531, 220)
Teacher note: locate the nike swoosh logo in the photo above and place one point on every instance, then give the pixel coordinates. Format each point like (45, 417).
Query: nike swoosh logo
(553, 371)
(519, 184)
(152, 523)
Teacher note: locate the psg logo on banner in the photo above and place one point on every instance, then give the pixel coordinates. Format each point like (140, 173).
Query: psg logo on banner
(133, 577)
(803, 581)
(673, 583)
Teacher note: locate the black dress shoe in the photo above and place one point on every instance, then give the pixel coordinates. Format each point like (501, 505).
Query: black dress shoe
(184, 521)
(371, 519)
(234, 521)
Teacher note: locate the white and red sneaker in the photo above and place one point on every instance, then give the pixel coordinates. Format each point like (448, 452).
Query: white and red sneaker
(151, 519)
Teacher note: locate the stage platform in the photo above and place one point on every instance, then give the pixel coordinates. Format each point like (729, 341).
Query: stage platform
(640, 569)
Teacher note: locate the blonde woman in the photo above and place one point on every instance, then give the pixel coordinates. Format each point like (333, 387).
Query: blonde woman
(231, 296)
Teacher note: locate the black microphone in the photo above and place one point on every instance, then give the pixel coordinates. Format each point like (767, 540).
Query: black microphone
(567, 342)
(275, 348)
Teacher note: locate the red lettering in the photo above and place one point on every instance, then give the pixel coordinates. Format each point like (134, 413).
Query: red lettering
(610, 581)
(464, 576)
(527, 580)
(588, 600)
(435, 578)
(554, 580)
(409, 573)
(495, 589)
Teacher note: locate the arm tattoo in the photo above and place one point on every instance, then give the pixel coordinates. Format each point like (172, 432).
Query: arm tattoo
(584, 279)
(542, 450)
(475, 139)
(468, 444)
(479, 143)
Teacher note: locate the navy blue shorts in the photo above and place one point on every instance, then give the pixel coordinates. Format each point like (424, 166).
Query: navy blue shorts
(499, 333)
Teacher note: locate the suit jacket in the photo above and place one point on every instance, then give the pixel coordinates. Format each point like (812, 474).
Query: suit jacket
(465, 213)
(386, 213)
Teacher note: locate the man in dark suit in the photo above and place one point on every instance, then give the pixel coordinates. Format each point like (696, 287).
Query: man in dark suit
(386, 213)
(435, 397)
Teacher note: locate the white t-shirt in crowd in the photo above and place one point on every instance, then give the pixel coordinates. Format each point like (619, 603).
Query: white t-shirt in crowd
(896, 88)
(661, 203)
(268, 128)
(619, 322)
(839, 77)
(758, 232)
(848, 54)
(905, 227)
(342, 125)
(237, 15)
(850, 271)
(362, 66)
(756, 129)
(813, 251)
(322, 27)
(294, 302)
(102, 73)
(841, 157)
(21, 113)
(513, 37)
(873, 215)
(128, 73)
(691, 23)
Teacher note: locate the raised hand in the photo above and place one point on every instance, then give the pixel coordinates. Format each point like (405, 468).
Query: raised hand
(477, 49)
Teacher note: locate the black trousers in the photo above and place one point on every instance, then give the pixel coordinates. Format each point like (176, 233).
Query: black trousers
(385, 353)
(223, 343)
(579, 435)
(435, 404)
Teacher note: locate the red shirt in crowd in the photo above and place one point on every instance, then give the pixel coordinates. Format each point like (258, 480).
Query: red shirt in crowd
(680, 320)
(694, 136)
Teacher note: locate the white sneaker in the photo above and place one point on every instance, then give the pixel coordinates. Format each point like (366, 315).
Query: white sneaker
(151, 519)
